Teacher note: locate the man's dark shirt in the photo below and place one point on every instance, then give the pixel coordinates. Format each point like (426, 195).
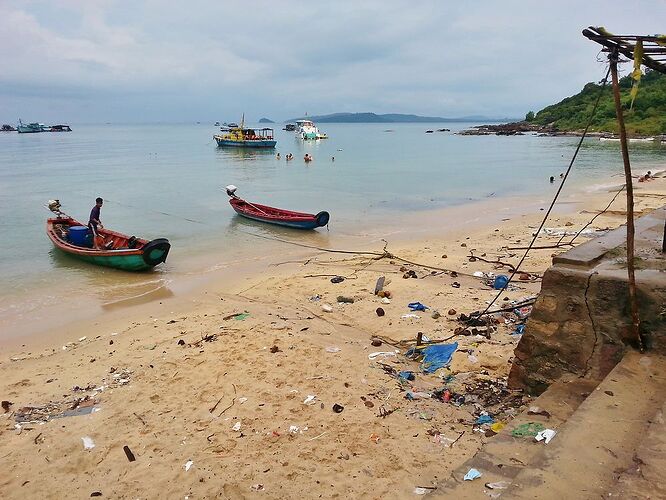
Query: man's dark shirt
(94, 216)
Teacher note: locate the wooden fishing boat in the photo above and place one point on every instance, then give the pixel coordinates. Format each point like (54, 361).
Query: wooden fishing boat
(119, 251)
(271, 215)
(241, 137)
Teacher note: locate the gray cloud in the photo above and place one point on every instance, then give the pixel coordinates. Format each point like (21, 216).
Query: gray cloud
(201, 60)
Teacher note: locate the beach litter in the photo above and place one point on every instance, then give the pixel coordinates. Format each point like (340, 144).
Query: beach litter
(374, 437)
(6, 405)
(417, 306)
(501, 282)
(410, 316)
(333, 349)
(420, 491)
(406, 375)
(188, 465)
(337, 408)
(385, 300)
(128, 453)
(337, 279)
(88, 443)
(237, 316)
(310, 400)
(380, 284)
(293, 429)
(236, 427)
(257, 487)
(500, 485)
(519, 330)
(484, 419)
(530, 429)
(434, 356)
(471, 475)
(545, 435)
(381, 354)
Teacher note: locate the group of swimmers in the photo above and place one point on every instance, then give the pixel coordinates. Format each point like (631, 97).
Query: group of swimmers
(288, 157)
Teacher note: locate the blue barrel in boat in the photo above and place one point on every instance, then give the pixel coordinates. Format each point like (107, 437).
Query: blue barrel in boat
(78, 235)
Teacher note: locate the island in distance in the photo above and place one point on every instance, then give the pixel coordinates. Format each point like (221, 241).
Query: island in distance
(395, 118)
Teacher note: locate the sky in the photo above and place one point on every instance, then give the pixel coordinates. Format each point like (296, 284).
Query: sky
(140, 61)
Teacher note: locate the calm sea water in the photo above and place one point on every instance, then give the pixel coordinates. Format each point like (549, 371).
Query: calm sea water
(167, 180)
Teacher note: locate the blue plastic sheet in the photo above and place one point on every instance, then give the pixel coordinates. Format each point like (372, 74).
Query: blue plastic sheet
(520, 329)
(417, 306)
(437, 356)
(485, 419)
(471, 475)
(500, 282)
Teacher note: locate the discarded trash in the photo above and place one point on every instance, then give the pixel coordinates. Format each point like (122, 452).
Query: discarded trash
(420, 491)
(435, 356)
(530, 429)
(88, 443)
(519, 330)
(237, 316)
(410, 316)
(383, 354)
(501, 282)
(417, 395)
(338, 408)
(337, 279)
(497, 426)
(242, 400)
(293, 429)
(181, 342)
(501, 485)
(380, 312)
(188, 465)
(236, 427)
(128, 453)
(410, 274)
(406, 375)
(327, 308)
(333, 349)
(345, 300)
(471, 475)
(455, 284)
(385, 300)
(535, 410)
(479, 274)
(484, 419)
(310, 400)
(315, 298)
(380, 284)
(524, 277)
(417, 306)
(374, 437)
(545, 435)
(257, 487)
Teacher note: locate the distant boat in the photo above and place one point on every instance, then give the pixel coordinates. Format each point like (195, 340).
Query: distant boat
(217, 124)
(308, 130)
(278, 216)
(59, 128)
(242, 137)
(289, 127)
(231, 125)
(7, 128)
(30, 128)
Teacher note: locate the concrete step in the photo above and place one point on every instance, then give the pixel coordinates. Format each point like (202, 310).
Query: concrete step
(505, 456)
(599, 441)
(645, 478)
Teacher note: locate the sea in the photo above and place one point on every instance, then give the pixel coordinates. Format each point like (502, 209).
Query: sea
(168, 180)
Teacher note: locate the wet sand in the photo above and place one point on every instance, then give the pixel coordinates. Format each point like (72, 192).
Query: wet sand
(219, 375)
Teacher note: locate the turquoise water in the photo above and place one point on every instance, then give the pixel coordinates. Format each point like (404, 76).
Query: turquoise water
(167, 180)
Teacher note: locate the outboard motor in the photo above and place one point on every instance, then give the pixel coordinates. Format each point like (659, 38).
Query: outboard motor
(231, 190)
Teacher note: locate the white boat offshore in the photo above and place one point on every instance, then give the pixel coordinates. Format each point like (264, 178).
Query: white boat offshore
(307, 130)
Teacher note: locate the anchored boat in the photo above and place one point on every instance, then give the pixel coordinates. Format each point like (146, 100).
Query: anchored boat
(241, 137)
(278, 216)
(307, 130)
(31, 128)
(119, 251)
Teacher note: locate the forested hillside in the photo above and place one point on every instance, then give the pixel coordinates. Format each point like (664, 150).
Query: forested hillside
(648, 116)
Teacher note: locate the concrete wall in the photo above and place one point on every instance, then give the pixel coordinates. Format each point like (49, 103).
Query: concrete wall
(581, 322)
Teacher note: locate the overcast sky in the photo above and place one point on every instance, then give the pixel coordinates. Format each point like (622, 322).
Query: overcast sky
(199, 60)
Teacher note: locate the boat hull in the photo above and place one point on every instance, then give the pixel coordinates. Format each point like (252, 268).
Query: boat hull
(225, 143)
(145, 254)
(279, 217)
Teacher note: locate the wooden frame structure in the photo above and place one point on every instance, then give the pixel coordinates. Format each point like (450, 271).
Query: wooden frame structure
(653, 56)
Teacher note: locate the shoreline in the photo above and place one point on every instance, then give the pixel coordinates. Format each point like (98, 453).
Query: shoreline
(205, 270)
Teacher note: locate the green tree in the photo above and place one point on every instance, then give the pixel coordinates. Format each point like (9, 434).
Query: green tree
(529, 116)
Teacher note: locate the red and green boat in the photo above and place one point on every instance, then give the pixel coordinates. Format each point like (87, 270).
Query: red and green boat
(118, 250)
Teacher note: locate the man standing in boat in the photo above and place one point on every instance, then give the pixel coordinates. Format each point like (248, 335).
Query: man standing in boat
(94, 222)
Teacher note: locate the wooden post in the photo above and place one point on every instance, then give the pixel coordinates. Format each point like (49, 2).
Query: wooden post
(663, 243)
(613, 58)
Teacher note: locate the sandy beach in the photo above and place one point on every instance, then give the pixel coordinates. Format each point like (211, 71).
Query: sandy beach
(264, 381)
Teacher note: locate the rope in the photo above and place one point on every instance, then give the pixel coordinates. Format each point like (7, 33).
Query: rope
(557, 194)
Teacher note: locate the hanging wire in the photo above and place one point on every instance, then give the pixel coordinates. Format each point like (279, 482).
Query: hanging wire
(552, 203)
